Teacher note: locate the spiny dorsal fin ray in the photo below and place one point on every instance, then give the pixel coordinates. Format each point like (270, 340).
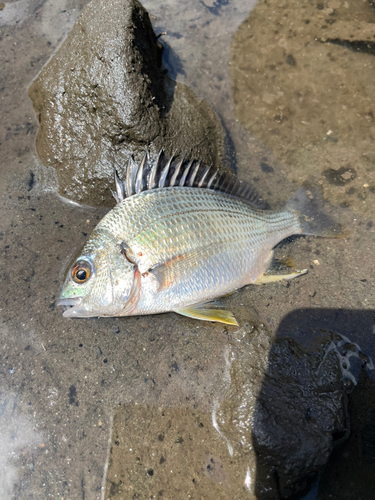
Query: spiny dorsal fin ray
(211, 179)
(194, 174)
(131, 173)
(185, 173)
(120, 193)
(163, 172)
(177, 171)
(151, 183)
(139, 178)
(203, 178)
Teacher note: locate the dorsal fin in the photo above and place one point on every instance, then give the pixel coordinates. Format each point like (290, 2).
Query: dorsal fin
(185, 173)
(162, 172)
(139, 178)
(165, 172)
(151, 183)
(177, 171)
(119, 194)
(131, 173)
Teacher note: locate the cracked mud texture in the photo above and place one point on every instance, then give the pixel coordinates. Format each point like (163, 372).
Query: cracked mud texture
(307, 92)
(105, 95)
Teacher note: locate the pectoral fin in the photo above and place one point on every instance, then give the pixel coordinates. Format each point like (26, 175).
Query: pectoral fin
(166, 272)
(269, 278)
(199, 311)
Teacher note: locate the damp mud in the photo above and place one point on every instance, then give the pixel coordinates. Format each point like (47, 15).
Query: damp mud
(165, 406)
(278, 411)
(306, 92)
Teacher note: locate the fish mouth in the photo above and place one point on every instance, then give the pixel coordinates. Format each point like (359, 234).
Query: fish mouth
(70, 306)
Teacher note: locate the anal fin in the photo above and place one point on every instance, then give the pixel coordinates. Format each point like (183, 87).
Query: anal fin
(199, 311)
(272, 278)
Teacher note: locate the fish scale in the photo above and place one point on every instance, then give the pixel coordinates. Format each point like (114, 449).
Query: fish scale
(225, 233)
(175, 248)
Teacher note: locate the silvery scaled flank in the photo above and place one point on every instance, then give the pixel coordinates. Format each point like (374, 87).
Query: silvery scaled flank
(180, 236)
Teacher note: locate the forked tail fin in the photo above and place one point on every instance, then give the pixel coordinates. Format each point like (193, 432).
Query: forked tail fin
(308, 203)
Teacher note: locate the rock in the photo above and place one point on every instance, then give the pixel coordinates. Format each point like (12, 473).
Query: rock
(286, 406)
(299, 73)
(351, 470)
(105, 95)
(279, 410)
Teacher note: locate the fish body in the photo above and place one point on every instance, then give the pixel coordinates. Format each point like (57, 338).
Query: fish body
(176, 247)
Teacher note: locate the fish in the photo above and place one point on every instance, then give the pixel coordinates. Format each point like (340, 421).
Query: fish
(180, 236)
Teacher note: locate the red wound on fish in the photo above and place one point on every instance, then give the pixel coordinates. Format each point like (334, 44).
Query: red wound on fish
(134, 295)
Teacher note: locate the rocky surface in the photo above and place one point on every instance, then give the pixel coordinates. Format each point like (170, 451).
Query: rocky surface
(304, 92)
(283, 410)
(351, 469)
(105, 95)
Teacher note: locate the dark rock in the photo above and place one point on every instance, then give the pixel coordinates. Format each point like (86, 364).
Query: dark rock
(278, 412)
(105, 95)
(356, 458)
(300, 411)
(286, 407)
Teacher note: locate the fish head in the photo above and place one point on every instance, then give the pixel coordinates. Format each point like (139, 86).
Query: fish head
(99, 281)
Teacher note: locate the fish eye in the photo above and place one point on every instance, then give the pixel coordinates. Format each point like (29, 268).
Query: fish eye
(81, 272)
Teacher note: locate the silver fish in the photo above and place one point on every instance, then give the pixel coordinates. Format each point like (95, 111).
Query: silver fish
(179, 238)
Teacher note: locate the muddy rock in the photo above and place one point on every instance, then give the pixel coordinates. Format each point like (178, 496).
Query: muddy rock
(285, 408)
(105, 95)
(299, 74)
(357, 454)
(267, 436)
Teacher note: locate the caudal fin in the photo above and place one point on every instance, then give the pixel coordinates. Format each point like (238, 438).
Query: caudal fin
(308, 203)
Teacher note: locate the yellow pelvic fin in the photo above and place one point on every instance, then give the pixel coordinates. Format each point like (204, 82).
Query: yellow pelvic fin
(269, 278)
(198, 311)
